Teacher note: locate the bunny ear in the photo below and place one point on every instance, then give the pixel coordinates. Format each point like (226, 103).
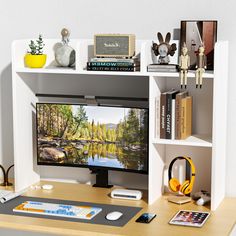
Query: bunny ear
(160, 37)
(167, 37)
(155, 48)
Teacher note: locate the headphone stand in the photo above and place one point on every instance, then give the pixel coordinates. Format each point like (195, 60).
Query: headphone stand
(188, 175)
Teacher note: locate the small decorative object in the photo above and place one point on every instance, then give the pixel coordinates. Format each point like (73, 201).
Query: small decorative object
(194, 34)
(114, 45)
(202, 198)
(164, 49)
(35, 57)
(184, 63)
(5, 176)
(65, 54)
(200, 65)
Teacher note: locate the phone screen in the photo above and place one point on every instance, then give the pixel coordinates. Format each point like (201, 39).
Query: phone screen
(146, 218)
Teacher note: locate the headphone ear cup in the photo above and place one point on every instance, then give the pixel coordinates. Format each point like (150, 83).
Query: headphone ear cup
(174, 185)
(184, 187)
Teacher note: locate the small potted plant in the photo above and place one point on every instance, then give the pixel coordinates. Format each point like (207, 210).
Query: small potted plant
(35, 57)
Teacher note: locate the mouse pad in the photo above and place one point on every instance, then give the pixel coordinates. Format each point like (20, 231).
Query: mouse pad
(128, 212)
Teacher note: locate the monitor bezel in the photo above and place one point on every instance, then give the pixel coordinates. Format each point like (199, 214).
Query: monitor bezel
(92, 167)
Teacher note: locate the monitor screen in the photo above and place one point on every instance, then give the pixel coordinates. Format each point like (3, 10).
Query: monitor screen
(113, 138)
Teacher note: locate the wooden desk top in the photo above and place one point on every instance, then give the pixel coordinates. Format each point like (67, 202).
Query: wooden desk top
(219, 223)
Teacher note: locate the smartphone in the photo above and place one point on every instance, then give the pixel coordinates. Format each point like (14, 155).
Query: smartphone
(146, 218)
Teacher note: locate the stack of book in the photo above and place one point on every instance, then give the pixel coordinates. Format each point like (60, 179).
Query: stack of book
(113, 64)
(175, 115)
(162, 68)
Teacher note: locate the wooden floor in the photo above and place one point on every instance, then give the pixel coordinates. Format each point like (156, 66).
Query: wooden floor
(220, 222)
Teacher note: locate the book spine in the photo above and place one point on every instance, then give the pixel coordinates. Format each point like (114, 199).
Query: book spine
(182, 118)
(188, 118)
(178, 117)
(157, 117)
(162, 70)
(103, 68)
(168, 115)
(112, 60)
(173, 119)
(163, 116)
(111, 64)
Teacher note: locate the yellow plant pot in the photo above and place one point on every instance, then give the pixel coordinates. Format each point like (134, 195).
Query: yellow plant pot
(35, 61)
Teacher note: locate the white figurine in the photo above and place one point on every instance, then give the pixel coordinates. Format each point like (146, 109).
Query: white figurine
(184, 63)
(201, 65)
(65, 54)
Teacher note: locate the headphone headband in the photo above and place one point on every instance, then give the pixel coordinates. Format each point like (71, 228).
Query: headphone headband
(191, 165)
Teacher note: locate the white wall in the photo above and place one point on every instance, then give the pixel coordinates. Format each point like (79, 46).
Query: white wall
(24, 19)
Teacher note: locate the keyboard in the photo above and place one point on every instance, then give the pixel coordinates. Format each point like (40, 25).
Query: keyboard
(60, 210)
(4, 193)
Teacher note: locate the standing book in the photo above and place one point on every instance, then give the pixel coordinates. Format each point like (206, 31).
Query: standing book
(163, 116)
(171, 95)
(173, 119)
(178, 99)
(157, 117)
(186, 117)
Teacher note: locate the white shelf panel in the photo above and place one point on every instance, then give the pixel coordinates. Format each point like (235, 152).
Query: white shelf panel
(194, 140)
(58, 70)
(47, 70)
(191, 74)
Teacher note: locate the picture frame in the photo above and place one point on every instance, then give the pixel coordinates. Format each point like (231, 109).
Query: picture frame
(195, 33)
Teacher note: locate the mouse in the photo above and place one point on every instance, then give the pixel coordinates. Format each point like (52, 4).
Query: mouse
(115, 215)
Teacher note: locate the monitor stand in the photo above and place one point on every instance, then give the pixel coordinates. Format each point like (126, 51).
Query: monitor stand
(101, 178)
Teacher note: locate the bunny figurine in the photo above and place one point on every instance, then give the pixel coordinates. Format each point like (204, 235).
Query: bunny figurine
(164, 49)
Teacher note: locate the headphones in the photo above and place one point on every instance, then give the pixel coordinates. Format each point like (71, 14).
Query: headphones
(174, 183)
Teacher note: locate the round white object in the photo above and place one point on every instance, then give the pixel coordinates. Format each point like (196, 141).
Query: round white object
(47, 187)
(65, 56)
(115, 215)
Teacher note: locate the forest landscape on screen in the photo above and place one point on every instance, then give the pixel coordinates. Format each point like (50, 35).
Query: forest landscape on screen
(92, 136)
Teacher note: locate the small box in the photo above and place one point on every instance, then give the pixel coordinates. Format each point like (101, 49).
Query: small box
(114, 45)
(126, 194)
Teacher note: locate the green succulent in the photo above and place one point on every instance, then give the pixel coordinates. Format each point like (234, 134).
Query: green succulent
(36, 47)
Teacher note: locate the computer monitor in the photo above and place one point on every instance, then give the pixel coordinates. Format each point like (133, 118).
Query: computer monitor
(100, 138)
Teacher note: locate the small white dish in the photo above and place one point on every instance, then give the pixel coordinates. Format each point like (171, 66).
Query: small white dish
(47, 187)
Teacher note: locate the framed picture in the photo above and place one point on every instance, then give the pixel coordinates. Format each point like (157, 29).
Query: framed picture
(196, 33)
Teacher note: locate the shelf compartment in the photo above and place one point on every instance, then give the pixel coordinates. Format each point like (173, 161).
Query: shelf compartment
(194, 140)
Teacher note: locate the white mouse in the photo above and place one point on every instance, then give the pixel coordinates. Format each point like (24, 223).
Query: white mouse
(115, 215)
(47, 187)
